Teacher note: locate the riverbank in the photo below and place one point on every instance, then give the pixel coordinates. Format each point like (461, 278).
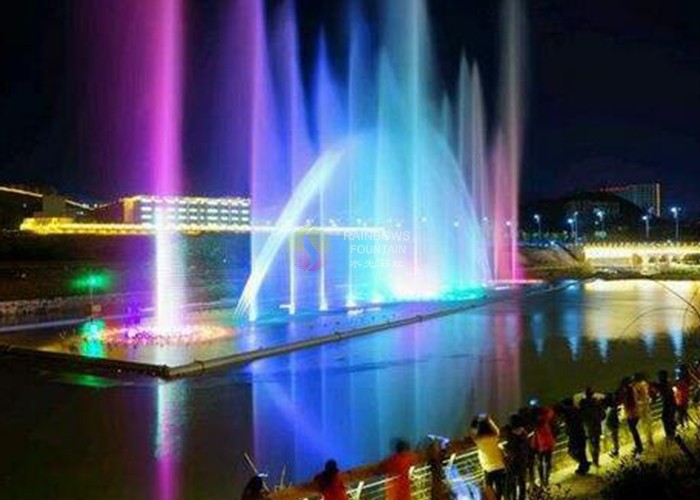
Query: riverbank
(611, 480)
(585, 272)
(556, 262)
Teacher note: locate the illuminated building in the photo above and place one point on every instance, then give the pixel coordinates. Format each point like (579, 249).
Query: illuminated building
(180, 210)
(645, 196)
(136, 215)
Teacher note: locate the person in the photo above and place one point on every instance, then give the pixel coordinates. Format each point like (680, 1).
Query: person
(629, 404)
(399, 466)
(664, 389)
(254, 489)
(485, 434)
(576, 433)
(543, 442)
(682, 395)
(438, 482)
(593, 414)
(517, 452)
(642, 399)
(330, 484)
(530, 416)
(612, 423)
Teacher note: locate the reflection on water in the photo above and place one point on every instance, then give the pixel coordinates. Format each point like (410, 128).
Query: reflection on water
(186, 439)
(350, 400)
(169, 429)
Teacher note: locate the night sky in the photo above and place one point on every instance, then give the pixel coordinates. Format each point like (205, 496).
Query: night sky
(613, 90)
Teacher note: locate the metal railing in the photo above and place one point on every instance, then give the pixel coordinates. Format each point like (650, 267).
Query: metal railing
(464, 471)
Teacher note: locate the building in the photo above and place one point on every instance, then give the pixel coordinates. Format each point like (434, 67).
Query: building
(137, 215)
(18, 203)
(181, 210)
(645, 196)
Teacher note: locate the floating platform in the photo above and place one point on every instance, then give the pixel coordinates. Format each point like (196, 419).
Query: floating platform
(68, 349)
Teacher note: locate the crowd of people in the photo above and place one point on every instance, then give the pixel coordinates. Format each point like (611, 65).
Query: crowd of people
(520, 454)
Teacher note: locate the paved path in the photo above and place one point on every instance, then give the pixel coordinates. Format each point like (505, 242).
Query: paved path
(590, 485)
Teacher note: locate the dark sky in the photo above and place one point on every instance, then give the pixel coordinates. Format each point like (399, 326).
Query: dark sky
(613, 93)
(614, 96)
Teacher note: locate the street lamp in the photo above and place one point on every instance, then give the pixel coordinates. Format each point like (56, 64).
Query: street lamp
(538, 220)
(645, 218)
(92, 283)
(601, 217)
(571, 227)
(675, 211)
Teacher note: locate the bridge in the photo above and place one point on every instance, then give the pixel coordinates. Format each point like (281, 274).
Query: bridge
(641, 254)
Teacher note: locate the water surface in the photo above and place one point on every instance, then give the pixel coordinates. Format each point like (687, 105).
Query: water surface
(84, 436)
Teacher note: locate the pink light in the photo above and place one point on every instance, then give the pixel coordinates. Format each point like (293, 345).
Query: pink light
(166, 97)
(166, 158)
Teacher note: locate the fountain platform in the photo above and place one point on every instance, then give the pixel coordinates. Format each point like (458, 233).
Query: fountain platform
(80, 347)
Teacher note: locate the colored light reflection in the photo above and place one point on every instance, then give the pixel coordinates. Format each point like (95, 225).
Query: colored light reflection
(168, 433)
(93, 329)
(190, 333)
(91, 344)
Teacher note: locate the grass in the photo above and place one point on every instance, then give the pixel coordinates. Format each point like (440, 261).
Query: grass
(667, 474)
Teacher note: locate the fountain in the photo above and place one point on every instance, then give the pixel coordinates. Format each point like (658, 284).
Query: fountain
(372, 183)
(365, 161)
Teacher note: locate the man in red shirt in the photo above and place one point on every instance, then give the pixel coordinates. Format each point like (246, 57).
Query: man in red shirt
(330, 484)
(398, 466)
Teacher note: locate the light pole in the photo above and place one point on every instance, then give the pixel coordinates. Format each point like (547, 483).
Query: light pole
(645, 218)
(571, 227)
(92, 283)
(538, 220)
(601, 217)
(576, 227)
(675, 211)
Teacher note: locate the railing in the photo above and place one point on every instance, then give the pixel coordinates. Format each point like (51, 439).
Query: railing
(643, 244)
(462, 470)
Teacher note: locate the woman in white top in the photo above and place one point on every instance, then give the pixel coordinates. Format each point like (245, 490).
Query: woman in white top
(485, 434)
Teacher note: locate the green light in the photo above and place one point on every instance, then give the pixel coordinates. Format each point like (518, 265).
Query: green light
(93, 281)
(93, 329)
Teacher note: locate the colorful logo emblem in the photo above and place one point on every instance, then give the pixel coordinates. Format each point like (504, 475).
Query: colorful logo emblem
(309, 249)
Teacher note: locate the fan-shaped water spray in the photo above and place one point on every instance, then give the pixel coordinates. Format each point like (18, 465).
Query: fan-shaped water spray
(401, 166)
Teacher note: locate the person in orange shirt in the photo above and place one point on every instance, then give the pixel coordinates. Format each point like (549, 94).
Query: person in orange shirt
(330, 484)
(543, 443)
(398, 467)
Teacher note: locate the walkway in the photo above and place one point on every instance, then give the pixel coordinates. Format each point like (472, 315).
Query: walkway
(589, 486)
